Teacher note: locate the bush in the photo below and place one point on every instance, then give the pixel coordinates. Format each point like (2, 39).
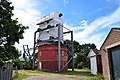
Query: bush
(28, 64)
(18, 63)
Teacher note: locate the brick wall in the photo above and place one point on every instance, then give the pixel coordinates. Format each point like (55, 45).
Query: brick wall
(105, 64)
(112, 38)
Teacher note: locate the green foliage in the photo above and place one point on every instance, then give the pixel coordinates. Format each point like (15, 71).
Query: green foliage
(10, 32)
(76, 49)
(81, 52)
(80, 57)
(20, 77)
(28, 64)
(15, 74)
(85, 48)
(75, 43)
(81, 61)
(17, 63)
(100, 76)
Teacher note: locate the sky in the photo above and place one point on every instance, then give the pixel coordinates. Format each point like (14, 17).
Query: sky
(90, 20)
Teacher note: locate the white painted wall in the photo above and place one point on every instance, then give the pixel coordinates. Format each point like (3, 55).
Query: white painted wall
(40, 65)
(93, 62)
(93, 65)
(53, 31)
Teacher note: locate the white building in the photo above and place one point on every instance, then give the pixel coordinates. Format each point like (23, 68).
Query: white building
(95, 61)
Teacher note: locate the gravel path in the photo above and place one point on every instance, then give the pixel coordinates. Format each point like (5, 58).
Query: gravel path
(53, 76)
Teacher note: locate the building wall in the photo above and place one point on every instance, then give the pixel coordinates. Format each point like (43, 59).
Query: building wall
(48, 57)
(52, 65)
(99, 64)
(93, 65)
(95, 61)
(105, 64)
(113, 38)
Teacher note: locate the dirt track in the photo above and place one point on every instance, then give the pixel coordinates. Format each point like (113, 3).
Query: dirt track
(53, 76)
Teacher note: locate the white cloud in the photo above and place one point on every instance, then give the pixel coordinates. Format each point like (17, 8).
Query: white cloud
(27, 14)
(102, 22)
(83, 25)
(65, 2)
(26, 11)
(91, 32)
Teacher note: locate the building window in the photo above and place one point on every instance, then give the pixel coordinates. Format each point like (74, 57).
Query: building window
(62, 53)
(40, 53)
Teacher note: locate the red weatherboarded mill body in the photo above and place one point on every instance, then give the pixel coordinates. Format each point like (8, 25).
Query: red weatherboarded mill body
(48, 57)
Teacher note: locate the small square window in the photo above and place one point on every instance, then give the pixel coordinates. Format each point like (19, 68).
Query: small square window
(62, 53)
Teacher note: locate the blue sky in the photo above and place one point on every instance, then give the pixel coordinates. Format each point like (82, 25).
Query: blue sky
(75, 11)
(91, 20)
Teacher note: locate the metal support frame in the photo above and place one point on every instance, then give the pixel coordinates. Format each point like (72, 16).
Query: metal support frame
(59, 57)
(72, 51)
(26, 50)
(34, 46)
(66, 63)
(33, 66)
(59, 47)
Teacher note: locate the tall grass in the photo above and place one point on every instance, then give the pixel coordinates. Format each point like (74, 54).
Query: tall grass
(18, 76)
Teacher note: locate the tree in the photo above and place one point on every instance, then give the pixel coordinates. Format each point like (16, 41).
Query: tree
(10, 32)
(81, 52)
(76, 49)
(81, 60)
(85, 48)
(76, 45)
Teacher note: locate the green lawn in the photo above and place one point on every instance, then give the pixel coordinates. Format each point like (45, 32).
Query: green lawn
(18, 76)
(21, 76)
(85, 72)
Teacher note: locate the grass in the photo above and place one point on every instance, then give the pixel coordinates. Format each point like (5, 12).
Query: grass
(32, 71)
(18, 76)
(21, 76)
(79, 72)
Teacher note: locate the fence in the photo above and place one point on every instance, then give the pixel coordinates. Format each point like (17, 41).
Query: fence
(6, 71)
